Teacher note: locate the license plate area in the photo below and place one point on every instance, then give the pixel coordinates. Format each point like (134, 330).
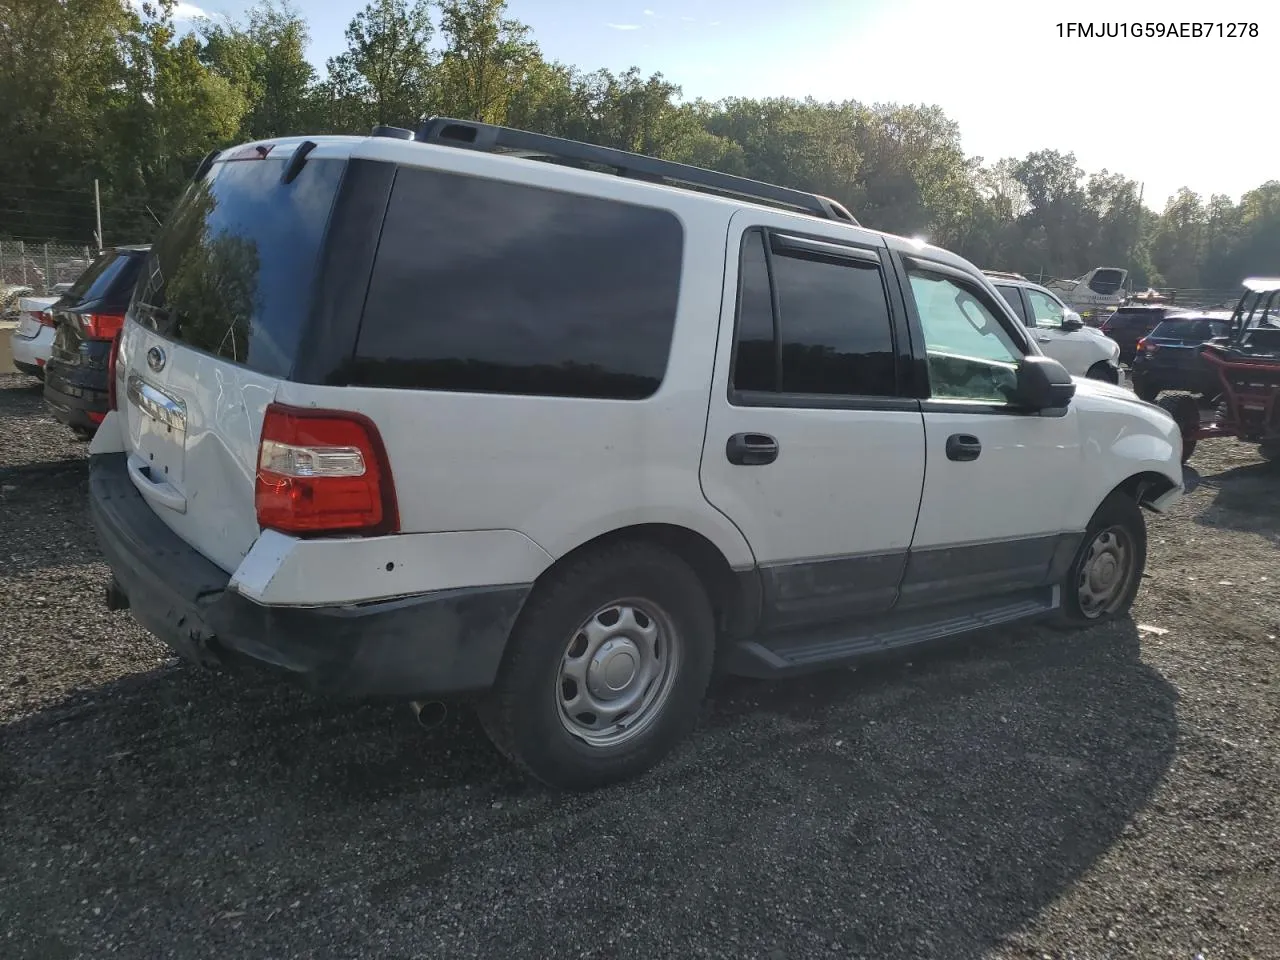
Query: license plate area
(162, 430)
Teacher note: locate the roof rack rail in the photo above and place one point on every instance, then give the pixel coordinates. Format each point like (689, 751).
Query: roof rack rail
(490, 138)
(1005, 274)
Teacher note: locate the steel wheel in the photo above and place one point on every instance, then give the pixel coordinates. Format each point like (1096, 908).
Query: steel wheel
(617, 672)
(1106, 572)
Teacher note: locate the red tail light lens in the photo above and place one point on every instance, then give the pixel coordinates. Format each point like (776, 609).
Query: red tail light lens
(46, 318)
(1146, 345)
(113, 361)
(101, 326)
(323, 471)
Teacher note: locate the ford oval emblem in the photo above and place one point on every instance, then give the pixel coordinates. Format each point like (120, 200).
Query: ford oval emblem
(155, 359)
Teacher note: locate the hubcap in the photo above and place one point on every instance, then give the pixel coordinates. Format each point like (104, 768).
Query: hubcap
(1106, 572)
(617, 672)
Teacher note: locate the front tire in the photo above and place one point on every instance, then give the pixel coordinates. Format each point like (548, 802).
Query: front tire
(606, 668)
(1107, 570)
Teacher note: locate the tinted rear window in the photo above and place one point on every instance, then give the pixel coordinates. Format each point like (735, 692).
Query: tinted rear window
(492, 287)
(233, 269)
(111, 277)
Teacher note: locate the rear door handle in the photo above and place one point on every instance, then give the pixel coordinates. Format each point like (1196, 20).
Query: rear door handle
(963, 446)
(751, 449)
(1045, 339)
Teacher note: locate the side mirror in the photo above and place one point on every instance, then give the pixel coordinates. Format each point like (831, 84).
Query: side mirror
(1072, 321)
(1043, 384)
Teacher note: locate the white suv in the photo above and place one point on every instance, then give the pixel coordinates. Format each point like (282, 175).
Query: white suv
(1085, 351)
(419, 416)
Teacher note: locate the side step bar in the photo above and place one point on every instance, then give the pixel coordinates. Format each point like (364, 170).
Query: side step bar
(776, 655)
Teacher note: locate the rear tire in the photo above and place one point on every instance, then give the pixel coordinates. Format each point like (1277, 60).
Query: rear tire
(1185, 410)
(1103, 371)
(625, 628)
(1106, 573)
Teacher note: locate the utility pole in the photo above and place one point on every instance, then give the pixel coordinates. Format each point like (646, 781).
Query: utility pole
(97, 208)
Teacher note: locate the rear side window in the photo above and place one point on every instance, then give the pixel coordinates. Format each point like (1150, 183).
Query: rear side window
(232, 271)
(489, 287)
(1014, 299)
(111, 278)
(832, 334)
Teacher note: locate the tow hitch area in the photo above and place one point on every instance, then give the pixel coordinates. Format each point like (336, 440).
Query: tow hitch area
(116, 598)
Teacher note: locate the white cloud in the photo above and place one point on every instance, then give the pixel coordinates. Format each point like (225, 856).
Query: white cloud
(650, 13)
(182, 12)
(623, 26)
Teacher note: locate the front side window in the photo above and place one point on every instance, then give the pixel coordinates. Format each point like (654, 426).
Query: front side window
(971, 356)
(832, 335)
(1047, 311)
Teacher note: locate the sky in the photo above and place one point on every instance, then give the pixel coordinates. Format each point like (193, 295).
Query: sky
(1165, 111)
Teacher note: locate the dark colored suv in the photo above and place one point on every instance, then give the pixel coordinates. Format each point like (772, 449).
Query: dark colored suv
(1130, 324)
(1169, 357)
(87, 318)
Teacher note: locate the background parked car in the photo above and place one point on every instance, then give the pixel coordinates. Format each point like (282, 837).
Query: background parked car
(1061, 334)
(87, 317)
(1168, 358)
(1131, 323)
(32, 340)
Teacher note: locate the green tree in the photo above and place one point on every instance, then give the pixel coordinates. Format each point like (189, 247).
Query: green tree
(265, 60)
(487, 59)
(387, 72)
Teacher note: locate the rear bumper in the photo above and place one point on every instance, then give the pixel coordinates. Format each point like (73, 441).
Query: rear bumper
(448, 643)
(30, 354)
(77, 396)
(1175, 378)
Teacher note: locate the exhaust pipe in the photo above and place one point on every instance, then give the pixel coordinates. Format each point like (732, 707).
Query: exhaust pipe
(430, 713)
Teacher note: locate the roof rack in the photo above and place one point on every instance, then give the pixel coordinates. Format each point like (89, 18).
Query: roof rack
(1004, 274)
(491, 138)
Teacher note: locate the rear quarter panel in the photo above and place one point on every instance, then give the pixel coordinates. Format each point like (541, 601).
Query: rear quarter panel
(563, 471)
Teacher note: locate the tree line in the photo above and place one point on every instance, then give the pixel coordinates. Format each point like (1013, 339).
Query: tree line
(115, 90)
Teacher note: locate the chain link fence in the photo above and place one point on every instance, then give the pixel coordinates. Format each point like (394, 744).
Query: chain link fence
(41, 266)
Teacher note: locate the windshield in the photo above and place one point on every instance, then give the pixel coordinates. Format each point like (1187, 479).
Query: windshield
(113, 273)
(1187, 330)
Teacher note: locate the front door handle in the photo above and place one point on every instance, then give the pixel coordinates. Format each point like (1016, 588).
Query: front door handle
(751, 449)
(963, 446)
(1043, 339)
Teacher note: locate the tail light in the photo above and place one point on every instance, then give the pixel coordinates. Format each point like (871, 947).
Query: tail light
(101, 326)
(113, 361)
(323, 471)
(46, 318)
(1147, 346)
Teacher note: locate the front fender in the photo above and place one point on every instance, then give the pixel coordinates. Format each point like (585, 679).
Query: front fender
(1123, 437)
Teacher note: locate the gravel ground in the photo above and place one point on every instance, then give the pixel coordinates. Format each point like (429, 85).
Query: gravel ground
(1025, 794)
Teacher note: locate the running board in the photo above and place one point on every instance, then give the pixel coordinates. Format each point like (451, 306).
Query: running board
(799, 651)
